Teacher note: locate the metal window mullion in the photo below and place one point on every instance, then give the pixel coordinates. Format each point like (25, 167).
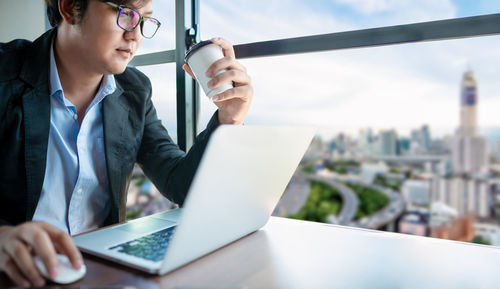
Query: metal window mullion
(195, 23)
(408, 33)
(161, 57)
(458, 28)
(186, 86)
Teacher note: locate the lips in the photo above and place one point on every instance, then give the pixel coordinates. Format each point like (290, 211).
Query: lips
(126, 52)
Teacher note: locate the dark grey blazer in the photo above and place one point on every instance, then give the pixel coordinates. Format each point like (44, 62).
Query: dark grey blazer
(132, 133)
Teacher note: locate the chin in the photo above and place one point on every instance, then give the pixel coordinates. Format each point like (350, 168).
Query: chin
(117, 68)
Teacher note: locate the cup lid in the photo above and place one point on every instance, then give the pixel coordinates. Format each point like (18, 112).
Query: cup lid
(196, 47)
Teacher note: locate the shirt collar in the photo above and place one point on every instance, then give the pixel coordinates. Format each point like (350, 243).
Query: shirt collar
(108, 84)
(55, 83)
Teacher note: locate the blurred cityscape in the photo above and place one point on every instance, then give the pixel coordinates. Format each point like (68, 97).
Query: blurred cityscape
(444, 187)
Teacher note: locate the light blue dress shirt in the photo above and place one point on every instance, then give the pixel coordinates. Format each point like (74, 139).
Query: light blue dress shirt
(74, 195)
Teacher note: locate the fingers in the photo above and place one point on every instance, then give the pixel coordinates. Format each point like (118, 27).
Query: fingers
(18, 243)
(235, 71)
(233, 103)
(15, 274)
(231, 75)
(189, 71)
(64, 244)
(241, 92)
(45, 250)
(227, 48)
(224, 63)
(36, 235)
(22, 258)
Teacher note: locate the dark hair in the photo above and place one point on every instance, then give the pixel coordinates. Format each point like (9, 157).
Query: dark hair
(79, 6)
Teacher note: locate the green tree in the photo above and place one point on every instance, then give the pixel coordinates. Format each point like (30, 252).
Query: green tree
(480, 240)
(371, 201)
(323, 201)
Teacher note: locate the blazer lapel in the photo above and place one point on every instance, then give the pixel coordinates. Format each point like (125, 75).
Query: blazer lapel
(36, 103)
(36, 135)
(114, 115)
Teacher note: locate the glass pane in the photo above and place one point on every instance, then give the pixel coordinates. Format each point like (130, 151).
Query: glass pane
(164, 38)
(149, 27)
(162, 77)
(251, 21)
(388, 120)
(143, 197)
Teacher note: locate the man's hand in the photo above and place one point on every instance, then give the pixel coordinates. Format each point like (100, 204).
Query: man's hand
(233, 103)
(19, 244)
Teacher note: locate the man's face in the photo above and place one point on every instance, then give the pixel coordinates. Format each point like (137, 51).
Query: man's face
(105, 46)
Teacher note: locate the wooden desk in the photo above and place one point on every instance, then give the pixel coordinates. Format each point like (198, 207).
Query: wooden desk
(296, 254)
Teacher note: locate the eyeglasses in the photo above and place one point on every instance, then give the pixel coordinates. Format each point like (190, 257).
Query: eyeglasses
(128, 19)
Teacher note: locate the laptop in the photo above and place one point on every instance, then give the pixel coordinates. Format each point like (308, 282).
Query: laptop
(240, 179)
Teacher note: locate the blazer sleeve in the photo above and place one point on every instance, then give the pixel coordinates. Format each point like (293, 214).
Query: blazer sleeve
(4, 223)
(167, 166)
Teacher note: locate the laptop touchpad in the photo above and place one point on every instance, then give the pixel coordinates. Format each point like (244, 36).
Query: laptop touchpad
(145, 225)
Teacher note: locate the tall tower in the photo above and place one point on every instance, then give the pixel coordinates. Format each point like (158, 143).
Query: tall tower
(469, 153)
(468, 107)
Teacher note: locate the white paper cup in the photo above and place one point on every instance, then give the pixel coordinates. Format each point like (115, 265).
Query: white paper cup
(199, 58)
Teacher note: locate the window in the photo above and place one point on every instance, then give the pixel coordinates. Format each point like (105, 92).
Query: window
(387, 116)
(143, 197)
(164, 39)
(162, 79)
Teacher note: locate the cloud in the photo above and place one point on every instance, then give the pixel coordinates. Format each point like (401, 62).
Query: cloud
(399, 11)
(368, 6)
(251, 21)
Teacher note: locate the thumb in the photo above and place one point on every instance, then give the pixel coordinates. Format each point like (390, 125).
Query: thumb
(188, 70)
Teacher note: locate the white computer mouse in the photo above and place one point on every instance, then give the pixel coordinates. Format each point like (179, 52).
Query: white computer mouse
(67, 274)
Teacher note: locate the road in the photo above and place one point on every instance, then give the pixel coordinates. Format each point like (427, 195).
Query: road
(387, 214)
(297, 192)
(294, 197)
(350, 201)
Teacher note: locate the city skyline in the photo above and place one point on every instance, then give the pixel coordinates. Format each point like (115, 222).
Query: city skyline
(468, 123)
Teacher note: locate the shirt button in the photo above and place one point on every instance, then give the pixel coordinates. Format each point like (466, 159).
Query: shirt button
(75, 229)
(75, 116)
(79, 191)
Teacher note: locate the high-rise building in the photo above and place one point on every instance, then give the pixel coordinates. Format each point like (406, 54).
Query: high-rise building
(388, 143)
(341, 143)
(468, 105)
(365, 142)
(495, 151)
(421, 140)
(416, 193)
(469, 150)
(466, 196)
(426, 137)
(403, 145)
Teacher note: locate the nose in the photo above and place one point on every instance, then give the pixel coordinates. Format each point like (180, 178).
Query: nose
(134, 35)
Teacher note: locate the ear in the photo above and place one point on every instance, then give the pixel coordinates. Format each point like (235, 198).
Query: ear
(67, 11)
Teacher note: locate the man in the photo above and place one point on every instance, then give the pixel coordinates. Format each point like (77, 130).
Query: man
(73, 121)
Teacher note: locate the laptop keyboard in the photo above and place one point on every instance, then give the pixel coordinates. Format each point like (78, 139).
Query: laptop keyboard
(151, 247)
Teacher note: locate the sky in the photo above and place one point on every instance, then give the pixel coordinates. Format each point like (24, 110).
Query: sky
(397, 86)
